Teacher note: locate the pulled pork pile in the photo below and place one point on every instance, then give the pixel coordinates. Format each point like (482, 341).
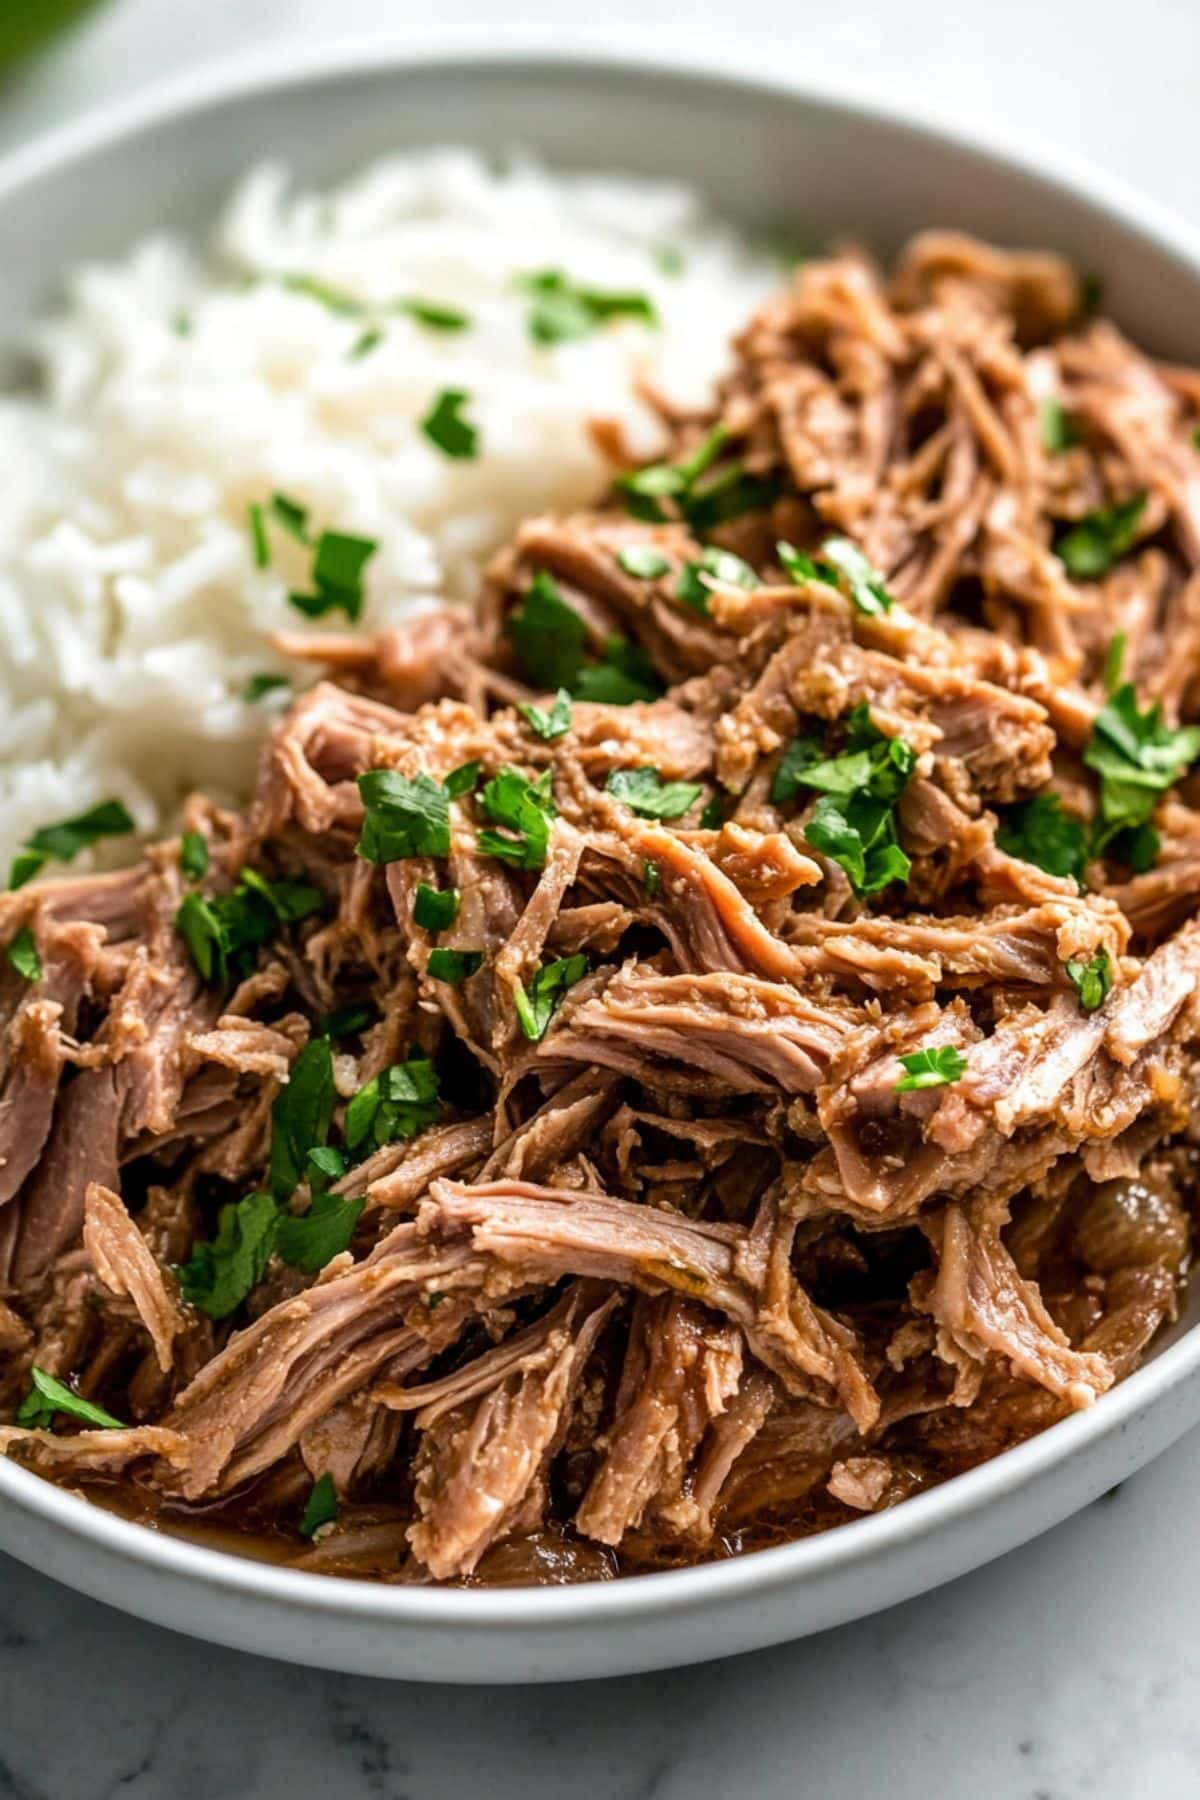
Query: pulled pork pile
(701, 1052)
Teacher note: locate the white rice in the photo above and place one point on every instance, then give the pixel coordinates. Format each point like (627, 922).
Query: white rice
(131, 610)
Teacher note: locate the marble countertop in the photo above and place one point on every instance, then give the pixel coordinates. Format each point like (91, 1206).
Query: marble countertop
(1070, 1670)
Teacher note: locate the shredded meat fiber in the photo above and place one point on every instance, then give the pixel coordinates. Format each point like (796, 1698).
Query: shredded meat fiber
(693, 1110)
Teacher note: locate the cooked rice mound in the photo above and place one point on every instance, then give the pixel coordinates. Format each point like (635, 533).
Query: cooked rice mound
(796, 1107)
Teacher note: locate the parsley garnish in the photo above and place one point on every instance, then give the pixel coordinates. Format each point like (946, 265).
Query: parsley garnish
(446, 428)
(321, 1507)
(338, 563)
(1137, 757)
(453, 966)
(223, 931)
(862, 579)
(549, 725)
(367, 341)
(259, 685)
(345, 1021)
(1040, 832)
(1101, 538)
(333, 299)
(1091, 980)
(398, 1103)
(1055, 427)
(310, 1240)
(193, 855)
(651, 877)
(713, 816)
(301, 1116)
(462, 780)
(291, 516)
(66, 839)
(434, 909)
(1114, 660)
(551, 644)
(403, 816)
(729, 493)
(800, 566)
(258, 534)
(645, 792)
(562, 311)
(22, 955)
(537, 1004)
(47, 1397)
(645, 562)
(853, 823)
(626, 674)
(218, 1275)
(526, 808)
(715, 568)
(935, 1067)
(433, 314)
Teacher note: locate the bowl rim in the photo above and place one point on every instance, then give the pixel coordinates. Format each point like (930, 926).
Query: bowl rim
(675, 1592)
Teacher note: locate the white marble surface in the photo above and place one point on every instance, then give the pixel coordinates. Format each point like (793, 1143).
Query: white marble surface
(1068, 1671)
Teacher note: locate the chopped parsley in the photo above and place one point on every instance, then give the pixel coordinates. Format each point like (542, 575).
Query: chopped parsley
(260, 685)
(219, 1275)
(1055, 427)
(301, 1117)
(645, 792)
(551, 644)
(193, 855)
(462, 780)
(333, 299)
(561, 311)
(526, 809)
(853, 822)
(1099, 539)
(645, 562)
(48, 1396)
(291, 516)
(22, 955)
(223, 931)
(367, 341)
(861, 579)
(345, 1021)
(651, 878)
(65, 840)
(1114, 661)
(310, 1240)
(453, 966)
(549, 725)
(1091, 980)
(1040, 832)
(435, 908)
(258, 534)
(447, 429)
(339, 559)
(403, 816)
(713, 816)
(537, 1004)
(937, 1066)
(715, 568)
(321, 1507)
(398, 1103)
(726, 495)
(799, 566)
(1137, 757)
(433, 315)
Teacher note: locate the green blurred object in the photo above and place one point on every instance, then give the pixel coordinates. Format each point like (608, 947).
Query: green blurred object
(26, 25)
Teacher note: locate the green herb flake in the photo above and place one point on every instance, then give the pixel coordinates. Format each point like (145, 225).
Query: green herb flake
(22, 955)
(321, 1507)
(453, 966)
(49, 1396)
(345, 1021)
(562, 311)
(193, 855)
(363, 345)
(258, 534)
(262, 684)
(862, 579)
(333, 299)
(337, 569)
(400, 1102)
(222, 932)
(537, 1004)
(645, 562)
(853, 822)
(291, 516)
(433, 315)
(799, 566)
(526, 809)
(1038, 831)
(219, 1275)
(403, 816)
(301, 1117)
(1091, 547)
(645, 792)
(1196, 436)
(1114, 660)
(548, 634)
(309, 1240)
(1091, 980)
(25, 865)
(447, 429)
(435, 909)
(462, 780)
(1055, 427)
(66, 839)
(1137, 757)
(937, 1066)
(549, 725)
(651, 878)
(715, 568)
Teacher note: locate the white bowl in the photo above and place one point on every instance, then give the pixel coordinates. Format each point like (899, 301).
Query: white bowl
(768, 151)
